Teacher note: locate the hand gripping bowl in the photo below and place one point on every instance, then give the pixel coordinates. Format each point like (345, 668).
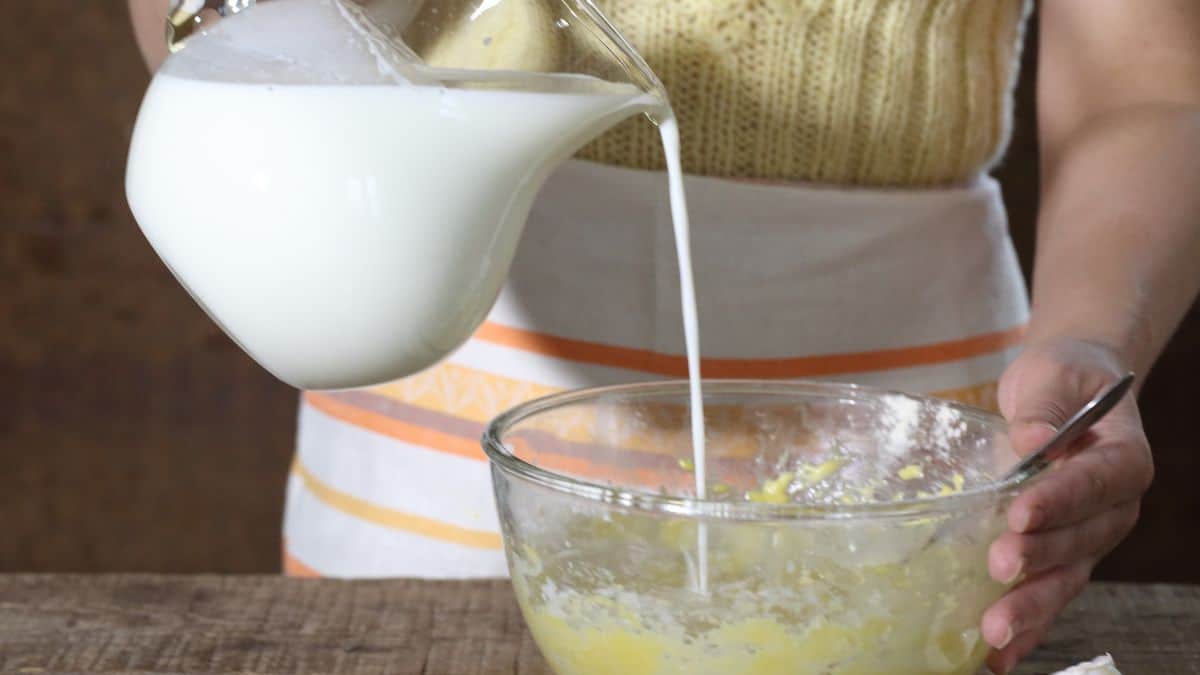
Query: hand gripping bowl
(845, 531)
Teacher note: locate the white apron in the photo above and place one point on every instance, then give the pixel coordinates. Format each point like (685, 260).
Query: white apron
(917, 290)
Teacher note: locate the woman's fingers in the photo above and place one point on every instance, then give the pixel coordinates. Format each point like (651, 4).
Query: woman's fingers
(1084, 486)
(1080, 509)
(1032, 605)
(1013, 555)
(1003, 660)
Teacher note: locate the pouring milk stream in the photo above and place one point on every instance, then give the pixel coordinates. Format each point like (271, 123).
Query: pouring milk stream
(342, 184)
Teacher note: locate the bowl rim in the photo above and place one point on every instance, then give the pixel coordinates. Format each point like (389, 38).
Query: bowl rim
(503, 459)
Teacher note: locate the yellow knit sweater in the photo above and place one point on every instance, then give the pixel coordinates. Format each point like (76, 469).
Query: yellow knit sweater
(850, 92)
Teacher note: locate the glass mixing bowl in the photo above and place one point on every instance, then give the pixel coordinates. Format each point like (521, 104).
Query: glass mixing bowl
(845, 529)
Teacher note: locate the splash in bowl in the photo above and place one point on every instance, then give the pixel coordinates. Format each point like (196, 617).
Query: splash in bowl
(844, 530)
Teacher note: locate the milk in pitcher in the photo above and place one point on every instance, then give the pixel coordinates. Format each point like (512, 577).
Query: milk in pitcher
(343, 224)
(347, 217)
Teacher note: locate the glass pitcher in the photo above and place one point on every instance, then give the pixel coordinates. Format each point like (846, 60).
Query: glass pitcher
(341, 184)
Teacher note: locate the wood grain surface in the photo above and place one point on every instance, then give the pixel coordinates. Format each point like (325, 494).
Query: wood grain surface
(268, 624)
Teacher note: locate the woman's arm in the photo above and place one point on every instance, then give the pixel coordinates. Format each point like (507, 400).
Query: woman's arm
(1117, 266)
(1118, 257)
(149, 25)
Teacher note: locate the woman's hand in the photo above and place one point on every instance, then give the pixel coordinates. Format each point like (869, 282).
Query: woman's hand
(149, 18)
(1081, 509)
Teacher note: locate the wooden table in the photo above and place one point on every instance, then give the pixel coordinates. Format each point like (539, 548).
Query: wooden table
(267, 624)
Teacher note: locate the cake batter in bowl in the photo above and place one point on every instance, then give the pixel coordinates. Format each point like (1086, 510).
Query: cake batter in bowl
(845, 529)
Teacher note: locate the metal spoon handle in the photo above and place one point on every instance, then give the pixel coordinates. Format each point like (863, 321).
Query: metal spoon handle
(1070, 432)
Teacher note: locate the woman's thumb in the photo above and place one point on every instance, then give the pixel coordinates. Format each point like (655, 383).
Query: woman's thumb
(1037, 402)
(1048, 384)
(1033, 424)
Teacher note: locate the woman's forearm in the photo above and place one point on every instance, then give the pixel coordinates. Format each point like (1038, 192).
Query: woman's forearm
(1118, 259)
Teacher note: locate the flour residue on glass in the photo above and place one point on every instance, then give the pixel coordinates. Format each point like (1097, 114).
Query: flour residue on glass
(898, 448)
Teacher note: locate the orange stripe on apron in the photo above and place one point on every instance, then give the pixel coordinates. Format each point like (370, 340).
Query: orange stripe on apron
(394, 519)
(819, 365)
(292, 566)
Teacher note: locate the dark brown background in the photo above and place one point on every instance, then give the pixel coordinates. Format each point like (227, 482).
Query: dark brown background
(135, 436)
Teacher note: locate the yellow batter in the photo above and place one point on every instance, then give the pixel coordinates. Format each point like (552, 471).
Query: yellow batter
(868, 598)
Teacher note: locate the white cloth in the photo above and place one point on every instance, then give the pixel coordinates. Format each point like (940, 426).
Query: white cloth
(1101, 665)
